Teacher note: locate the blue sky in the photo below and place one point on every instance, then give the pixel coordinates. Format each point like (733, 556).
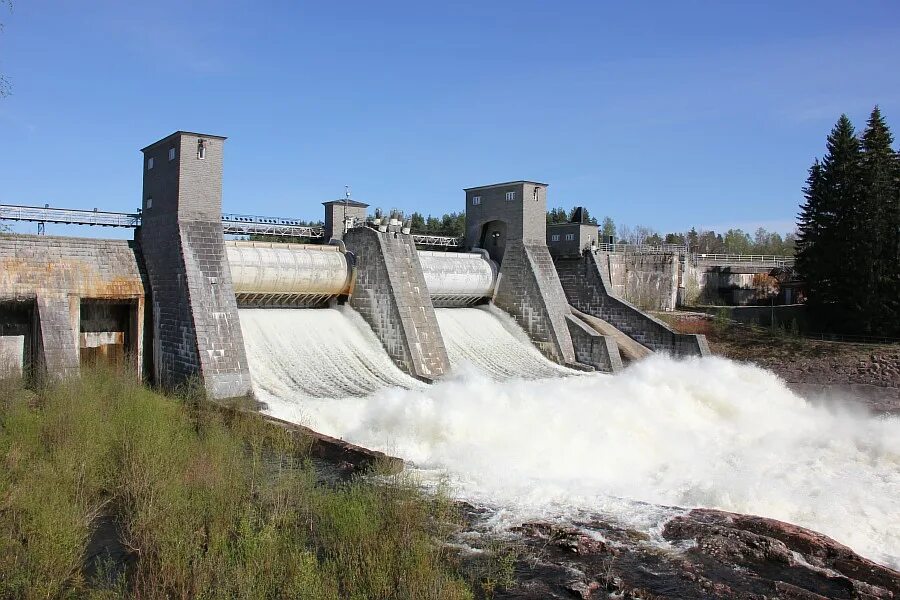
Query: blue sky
(665, 114)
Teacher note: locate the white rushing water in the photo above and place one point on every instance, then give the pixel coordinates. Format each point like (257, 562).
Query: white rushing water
(489, 341)
(296, 354)
(700, 432)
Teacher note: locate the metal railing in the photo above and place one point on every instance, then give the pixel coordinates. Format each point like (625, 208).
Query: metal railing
(850, 338)
(755, 259)
(234, 224)
(437, 241)
(66, 216)
(762, 260)
(643, 249)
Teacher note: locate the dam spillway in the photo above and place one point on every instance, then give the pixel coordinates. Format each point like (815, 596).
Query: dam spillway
(491, 342)
(182, 282)
(296, 354)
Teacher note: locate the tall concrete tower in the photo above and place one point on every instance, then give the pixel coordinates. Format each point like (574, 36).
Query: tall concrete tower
(196, 331)
(509, 220)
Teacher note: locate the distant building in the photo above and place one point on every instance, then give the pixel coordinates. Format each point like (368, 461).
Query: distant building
(338, 212)
(572, 238)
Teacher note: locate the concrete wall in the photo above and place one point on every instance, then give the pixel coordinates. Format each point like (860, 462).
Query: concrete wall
(648, 281)
(587, 288)
(50, 277)
(706, 283)
(529, 289)
(195, 318)
(391, 295)
(592, 348)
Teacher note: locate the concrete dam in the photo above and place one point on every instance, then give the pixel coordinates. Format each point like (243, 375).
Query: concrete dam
(495, 360)
(182, 301)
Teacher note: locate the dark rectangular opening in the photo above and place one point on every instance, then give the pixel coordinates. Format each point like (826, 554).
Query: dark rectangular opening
(17, 339)
(107, 333)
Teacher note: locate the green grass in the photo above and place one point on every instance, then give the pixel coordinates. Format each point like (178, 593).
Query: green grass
(202, 503)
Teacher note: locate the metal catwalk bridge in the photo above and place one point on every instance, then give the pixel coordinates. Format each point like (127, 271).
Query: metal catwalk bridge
(232, 224)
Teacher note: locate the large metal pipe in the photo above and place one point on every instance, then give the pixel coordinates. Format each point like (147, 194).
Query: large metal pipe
(273, 274)
(302, 275)
(458, 278)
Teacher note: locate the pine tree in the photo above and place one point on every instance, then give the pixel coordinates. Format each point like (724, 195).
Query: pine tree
(830, 231)
(876, 224)
(808, 233)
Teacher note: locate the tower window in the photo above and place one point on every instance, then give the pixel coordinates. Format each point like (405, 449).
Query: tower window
(172, 153)
(510, 196)
(201, 149)
(554, 237)
(570, 237)
(149, 202)
(150, 163)
(476, 200)
(534, 194)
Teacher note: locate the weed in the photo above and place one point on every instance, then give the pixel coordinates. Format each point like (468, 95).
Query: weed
(206, 503)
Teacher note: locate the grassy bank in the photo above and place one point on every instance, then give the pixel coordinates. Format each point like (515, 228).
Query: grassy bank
(110, 490)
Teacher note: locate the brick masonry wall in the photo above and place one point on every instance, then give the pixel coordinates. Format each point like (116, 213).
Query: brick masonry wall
(528, 288)
(56, 273)
(592, 348)
(391, 295)
(195, 320)
(587, 286)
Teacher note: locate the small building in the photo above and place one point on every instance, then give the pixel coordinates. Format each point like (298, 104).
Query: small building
(514, 211)
(572, 238)
(340, 215)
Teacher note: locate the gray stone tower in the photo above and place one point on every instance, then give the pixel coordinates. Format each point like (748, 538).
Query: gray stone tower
(509, 220)
(196, 331)
(337, 211)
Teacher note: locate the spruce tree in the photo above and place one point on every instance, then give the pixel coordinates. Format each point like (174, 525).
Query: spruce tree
(833, 284)
(876, 224)
(808, 233)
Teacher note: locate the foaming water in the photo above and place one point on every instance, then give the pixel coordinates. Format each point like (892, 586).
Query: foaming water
(702, 432)
(489, 341)
(298, 354)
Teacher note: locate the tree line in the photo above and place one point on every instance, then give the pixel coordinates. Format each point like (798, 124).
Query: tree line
(849, 231)
(733, 241)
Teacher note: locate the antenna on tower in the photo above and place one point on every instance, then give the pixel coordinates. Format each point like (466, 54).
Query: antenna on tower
(347, 192)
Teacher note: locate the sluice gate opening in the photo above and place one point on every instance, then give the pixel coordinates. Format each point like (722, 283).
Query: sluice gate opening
(17, 338)
(108, 333)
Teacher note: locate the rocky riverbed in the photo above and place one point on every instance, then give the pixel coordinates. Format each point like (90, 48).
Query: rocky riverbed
(706, 554)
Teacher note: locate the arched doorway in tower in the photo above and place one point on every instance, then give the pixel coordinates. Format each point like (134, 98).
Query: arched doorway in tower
(493, 239)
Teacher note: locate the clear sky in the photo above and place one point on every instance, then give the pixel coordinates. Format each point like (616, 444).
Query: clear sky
(665, 114)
